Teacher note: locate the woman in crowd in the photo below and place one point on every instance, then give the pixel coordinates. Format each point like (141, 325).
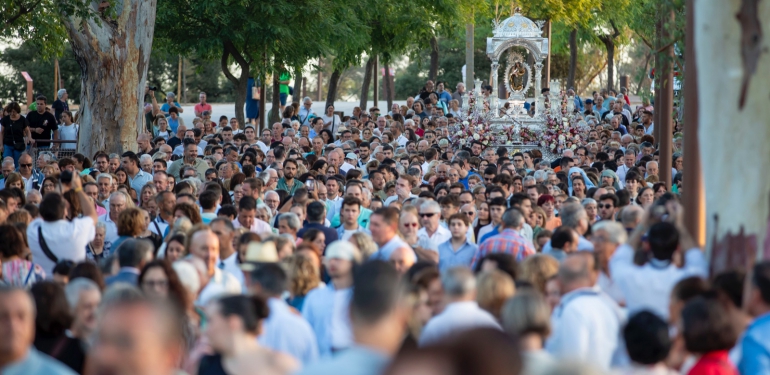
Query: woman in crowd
(494, 288)
(14, 180)
(50, 185)
(327, 136)
(95, 249)
(364, 243)
(188, 211)
(130, 225)
(315, 237)
(16, 270)
(331, 120)
(633, 184)
(161, 128)
(589, 204)
(52, 320)
(537, 269)
(304, 274)
(548, 204)
(122, 176)
(709, 332)
(175, 248)
(646, 197)
(233, 327)
(659, 188)
(156, 239)
(159, 281)
(148, 194)
(527, 317)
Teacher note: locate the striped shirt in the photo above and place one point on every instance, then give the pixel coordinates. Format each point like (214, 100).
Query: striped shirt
(508, 241)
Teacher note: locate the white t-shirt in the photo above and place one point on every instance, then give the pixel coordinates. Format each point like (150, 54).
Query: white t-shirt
(67, 240)
(342, 334)
(69, 133)
(346, 234)
(331, 122)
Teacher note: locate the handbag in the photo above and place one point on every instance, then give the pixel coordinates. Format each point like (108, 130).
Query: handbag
(255, 92)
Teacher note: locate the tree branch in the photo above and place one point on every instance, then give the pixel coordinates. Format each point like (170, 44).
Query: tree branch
(226, 68)
(644, 40)
(22, 11)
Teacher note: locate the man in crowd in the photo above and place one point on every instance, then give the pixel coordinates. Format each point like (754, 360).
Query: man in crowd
(137, 178)
(190, 158)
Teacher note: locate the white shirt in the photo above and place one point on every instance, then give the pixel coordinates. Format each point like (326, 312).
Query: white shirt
(606, 284)
(650, 129)
(262, 146)
(395, 198)
(230, 264)
(111, 234)
(587, 325)
(456, 317)
(441, 235)
(346, 167)
(342, 335)
(68, 133)
(484, 231)
(66, 239)
(258, 227)
(401, 140)
(287, 331)
(220, 284)
(648, 287)
(622, 170)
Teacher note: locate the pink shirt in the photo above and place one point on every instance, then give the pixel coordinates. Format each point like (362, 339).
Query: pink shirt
(199, 108)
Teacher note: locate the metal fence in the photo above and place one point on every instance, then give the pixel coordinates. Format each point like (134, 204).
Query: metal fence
(62, 150)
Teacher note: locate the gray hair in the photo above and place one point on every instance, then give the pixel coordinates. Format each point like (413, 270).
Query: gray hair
(144, 158)
(60, 93)
(631, 215)
(104, 175)
(114, 156)
(171, 94)
(265, 177)
(458, 282)
(307, 99)
(627, 136)
(262, 206)
(630, 151)
(587, 201)
(272, 192)
(76, 286)
(101, 225)
(539, 175)
(571, 214)
(526, 312)
(188, 276)
(7, 161)
(615, 232)
(651, 162)
(292, 220)
(528, 179)
(431, 204)
(513, 218)
(47, 156)
(33, 192)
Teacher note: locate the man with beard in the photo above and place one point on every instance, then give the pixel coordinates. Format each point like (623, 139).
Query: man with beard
(287, 182)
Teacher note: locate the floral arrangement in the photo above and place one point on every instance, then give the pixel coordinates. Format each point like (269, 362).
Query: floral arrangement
(561, 130)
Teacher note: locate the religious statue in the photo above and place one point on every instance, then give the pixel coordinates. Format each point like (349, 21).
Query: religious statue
(516, 77)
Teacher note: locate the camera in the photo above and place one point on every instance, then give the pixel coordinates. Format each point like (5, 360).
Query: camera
(153, 88)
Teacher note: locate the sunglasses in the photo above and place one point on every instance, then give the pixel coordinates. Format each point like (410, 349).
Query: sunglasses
(606, 206)
(469, 213)
(25, 165)
(428, 214)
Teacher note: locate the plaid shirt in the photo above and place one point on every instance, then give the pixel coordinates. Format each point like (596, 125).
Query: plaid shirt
(509, 242)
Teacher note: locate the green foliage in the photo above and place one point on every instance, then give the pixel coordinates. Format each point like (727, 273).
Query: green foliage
(28, 58)
(409, 81)
(38, 22)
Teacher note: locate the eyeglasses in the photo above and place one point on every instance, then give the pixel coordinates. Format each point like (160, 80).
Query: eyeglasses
(155, 283)
(413, 225)
(427, 214)
(606, 206)
(469, 213)
(25, 165)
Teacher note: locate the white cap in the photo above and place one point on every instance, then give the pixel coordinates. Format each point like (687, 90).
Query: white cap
(351, 156)
(342, 250)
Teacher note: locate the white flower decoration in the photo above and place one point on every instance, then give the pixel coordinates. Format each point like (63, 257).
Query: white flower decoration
(476, 137)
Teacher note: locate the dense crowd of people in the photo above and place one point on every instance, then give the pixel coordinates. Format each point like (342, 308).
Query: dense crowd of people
(360, 244)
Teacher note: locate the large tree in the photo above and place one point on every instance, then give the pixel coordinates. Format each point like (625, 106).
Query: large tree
(113, 51)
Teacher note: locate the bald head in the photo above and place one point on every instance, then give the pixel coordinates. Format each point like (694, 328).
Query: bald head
(631, 216)
(402, 259)
(568, 153)
(576, 272)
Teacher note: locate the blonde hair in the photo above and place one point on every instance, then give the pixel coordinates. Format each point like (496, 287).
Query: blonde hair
(303, 275)
(364, 243)
(493, 289)
(538, 269)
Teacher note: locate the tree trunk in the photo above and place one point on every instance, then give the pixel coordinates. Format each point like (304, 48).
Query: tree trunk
(297, 96)
(367, 81)
(547, 67)
(275, 110)
(639, 86)
(334, 81)
(113, 56)
(433, 72)
(609, 44)
(388, 86)
(692, 196)
(376, 88)
(469, 30)
(573, 56)
(737, 202)
(241, 83)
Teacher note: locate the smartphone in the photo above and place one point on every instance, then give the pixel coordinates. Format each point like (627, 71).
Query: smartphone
(310, 184)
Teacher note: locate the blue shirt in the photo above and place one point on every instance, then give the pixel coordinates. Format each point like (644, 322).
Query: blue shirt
(138, 181)
(317, 310)
(165, 107)
(384, 251)
(37, 363)
(449, 258)
(358, 360)
(755, 358)
(286, 331)
(493, 232)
